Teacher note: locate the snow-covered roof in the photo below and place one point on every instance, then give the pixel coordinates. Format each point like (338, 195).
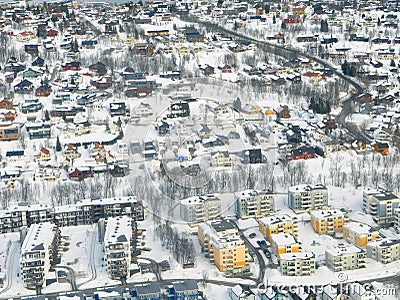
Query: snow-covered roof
(269, 220)
(297, 255)
(38, 237)
(118, 230)
(324, 213)
(283, 239)
(358, 228)
(343, 249)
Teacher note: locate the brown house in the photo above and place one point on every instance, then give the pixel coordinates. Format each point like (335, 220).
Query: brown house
(282, 112)
(6, 103)
(143, 49)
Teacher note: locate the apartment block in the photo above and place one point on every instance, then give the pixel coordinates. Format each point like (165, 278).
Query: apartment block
(88, 211)
(297, 264)
(328, 221)
(384, 251)
(381, 205)
(221, 243)
(397, 219)
(343, 257)
(119, 244)
(277, 224)
(200, 208)
(359, 234)
(302, 198)
(284, 243)
(38, 252)
(254, 204)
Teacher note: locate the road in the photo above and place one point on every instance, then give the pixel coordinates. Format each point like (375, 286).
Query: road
(92, 263)
(356, 89)
(14, 250)
(71, 276)
(154, 266)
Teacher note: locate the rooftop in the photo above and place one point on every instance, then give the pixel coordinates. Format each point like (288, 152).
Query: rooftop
(38, 237)
(118, 230)
(343, 249)
(297, 255)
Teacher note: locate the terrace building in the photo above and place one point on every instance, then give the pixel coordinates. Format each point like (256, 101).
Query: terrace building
(38, 252)
(297, 264)
(381, 205)
(359, 234)
(343, 257)
(328, 221)
(200, 208)
(254, 204)
(384, 251)
(276, 224)
(304, 198)
(221, 243)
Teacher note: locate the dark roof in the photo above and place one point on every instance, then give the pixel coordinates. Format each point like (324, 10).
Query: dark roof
(122, 238)
(151, 288)
(186, 285)
(222, 225)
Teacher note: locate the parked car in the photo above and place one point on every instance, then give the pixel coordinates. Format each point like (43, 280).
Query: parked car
(252, 235)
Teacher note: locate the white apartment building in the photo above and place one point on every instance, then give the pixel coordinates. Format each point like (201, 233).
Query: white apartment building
(297, 264)
(118, 247)
(280, 223)
(397, 219)
(302, 198)
(254, 204)
(384, 251)
(381, 205)
(38, 251)
(200, 208)
(343, 257)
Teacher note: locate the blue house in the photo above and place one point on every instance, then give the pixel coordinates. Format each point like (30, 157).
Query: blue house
(149, 291)
(184, 290)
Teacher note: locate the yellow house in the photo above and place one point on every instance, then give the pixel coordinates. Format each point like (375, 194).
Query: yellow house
(284, 243)
(359, 234)
(221, 243)
(130, 41)
(327, 221)
(271, 225)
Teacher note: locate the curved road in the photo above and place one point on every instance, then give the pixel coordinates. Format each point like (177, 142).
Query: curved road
(270, 47)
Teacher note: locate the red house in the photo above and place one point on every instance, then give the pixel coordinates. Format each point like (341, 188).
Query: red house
(292, 20)
(80, 174)
(10, 116)
(6, 103)
(52, 33)
(10, 77)
(71, 66)
(43, 90)
(303, 152)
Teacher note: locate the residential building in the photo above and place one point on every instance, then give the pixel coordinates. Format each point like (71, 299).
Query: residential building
(343, 257)
(221, 243)
(9, 133)
(356, 291)
(381, 205)
(297, 264)
(330, 292)
(185, 289)
(303, 198)
(359, 234)
(84, 212)
(328, 221)
(277, 224)
(38, 252)
(384, 251)
(119, 243)
(200, 208)
(146, 291)
(284, 243)
(397, 219)
(254, 204)
(241, 292)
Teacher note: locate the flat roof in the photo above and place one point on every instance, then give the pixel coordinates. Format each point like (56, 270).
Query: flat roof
(38, 237)
(359, 228)
(270, 220)
(306, 188)
(118, 230)
(324, 213)
(297, 255)
(222, 225)
(343, 249)
(283, 239)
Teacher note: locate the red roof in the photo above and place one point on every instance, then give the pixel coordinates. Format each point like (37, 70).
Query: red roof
(45, 151)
